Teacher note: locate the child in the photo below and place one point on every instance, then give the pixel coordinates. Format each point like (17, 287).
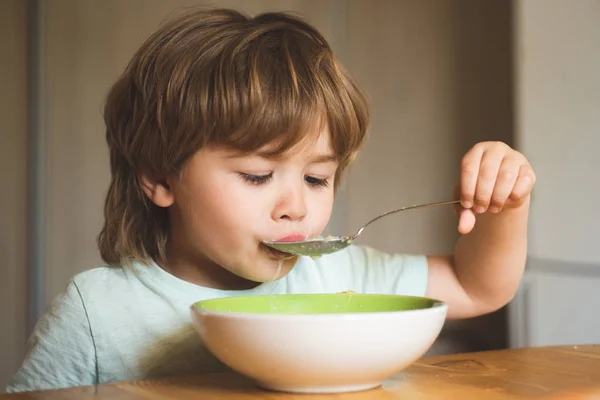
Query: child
(225, 131)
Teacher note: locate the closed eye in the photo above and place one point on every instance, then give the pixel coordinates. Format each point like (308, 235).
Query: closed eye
(256, 179)
(316, 182)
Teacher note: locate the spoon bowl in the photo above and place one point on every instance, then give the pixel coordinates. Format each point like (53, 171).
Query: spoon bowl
(313, 247)
(316, 247)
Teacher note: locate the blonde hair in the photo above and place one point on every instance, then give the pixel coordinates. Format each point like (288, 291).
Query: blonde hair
(217, 77)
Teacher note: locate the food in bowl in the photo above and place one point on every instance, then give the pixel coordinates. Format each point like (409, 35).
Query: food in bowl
(319, 343)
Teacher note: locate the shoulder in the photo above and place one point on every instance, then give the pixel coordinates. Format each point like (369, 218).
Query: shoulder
(103, 275)
(68, 307)
(100, 281)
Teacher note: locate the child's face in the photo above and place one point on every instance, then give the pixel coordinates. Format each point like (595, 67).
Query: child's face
(225, 205)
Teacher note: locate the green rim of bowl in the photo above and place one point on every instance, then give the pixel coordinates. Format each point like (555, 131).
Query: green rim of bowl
(316, 304)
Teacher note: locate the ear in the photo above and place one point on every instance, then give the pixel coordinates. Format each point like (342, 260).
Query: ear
(158, 190)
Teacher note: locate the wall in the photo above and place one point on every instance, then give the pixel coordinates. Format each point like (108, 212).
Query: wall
(13, 175)
(439, 77)
(557, 100)
(558, 103)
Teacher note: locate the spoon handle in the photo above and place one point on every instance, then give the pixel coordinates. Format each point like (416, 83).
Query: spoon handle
(404, 209)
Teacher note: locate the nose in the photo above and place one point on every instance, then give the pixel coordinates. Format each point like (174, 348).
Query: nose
(291, 205)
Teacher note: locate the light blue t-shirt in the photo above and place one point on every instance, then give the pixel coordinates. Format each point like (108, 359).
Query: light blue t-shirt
(134, 322)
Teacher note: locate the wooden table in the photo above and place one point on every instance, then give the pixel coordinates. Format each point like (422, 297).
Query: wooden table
(571, 372)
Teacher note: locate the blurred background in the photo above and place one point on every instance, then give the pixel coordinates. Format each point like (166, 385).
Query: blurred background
(441, 76)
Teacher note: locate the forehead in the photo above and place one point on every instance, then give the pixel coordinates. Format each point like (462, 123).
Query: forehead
(316, 141)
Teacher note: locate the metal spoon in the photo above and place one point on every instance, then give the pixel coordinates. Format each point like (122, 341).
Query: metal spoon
(315, 247)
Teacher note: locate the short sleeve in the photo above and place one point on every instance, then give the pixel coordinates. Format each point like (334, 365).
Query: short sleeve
(367, 270)
(60, 351)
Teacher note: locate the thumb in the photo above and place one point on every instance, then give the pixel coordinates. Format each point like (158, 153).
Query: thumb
(466, 217)
(466, 221)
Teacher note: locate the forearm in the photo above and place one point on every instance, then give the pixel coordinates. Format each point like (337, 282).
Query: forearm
(490, 260)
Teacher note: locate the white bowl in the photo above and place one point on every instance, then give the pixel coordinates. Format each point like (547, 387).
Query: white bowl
(319, 343)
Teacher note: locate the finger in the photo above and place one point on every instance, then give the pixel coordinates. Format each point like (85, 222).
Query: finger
(505, 182)
(523, 186)
(466, 221)
(488, 171)
(469, 170)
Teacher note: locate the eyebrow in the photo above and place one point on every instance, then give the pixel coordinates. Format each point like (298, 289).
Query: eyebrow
(322, 158)
(325, 158)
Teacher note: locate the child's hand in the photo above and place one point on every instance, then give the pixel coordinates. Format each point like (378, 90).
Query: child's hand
(493, 177)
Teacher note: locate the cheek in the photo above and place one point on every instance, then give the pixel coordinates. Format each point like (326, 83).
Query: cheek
(233, 206)
(323, 207)
(205, 205)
